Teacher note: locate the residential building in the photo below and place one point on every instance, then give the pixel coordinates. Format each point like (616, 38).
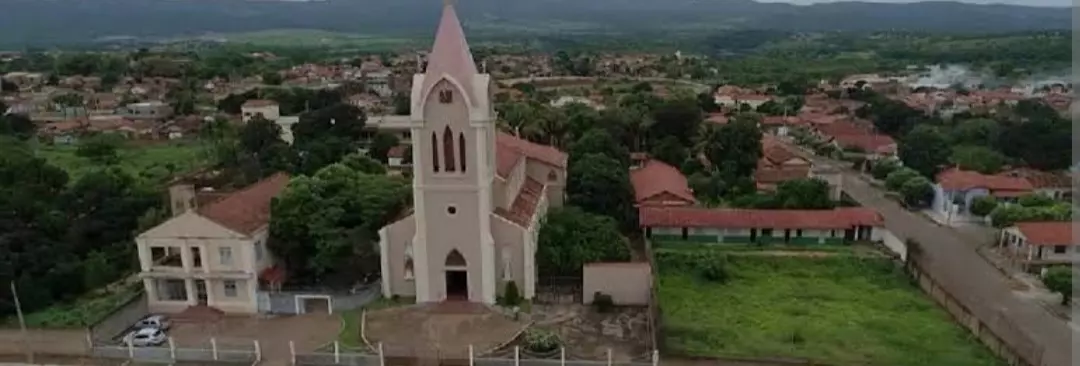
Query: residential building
(739, 226)
(148, 110)
(1035, 245)
(1056, 185)
(658, 184)
(266, 108)
(209, 255)
(778, 164)
(955, 189)
(478, 194)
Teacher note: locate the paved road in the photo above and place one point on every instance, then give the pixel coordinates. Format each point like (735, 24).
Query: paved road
(952, 254)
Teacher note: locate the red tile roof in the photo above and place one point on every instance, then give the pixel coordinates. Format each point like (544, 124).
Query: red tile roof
(509, 148)
(256, 103)
(841, 218)
(774, 176)
(656, 177)
(1047, 233)
(874, 143)
(955, 179)
(397, 151)
(523, 208)
(1041, 179)
(247, 210)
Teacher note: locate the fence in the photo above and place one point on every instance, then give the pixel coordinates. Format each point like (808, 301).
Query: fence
(293, 301)
(559, 290)
(381, 358)
(994, 328)
(171, 353)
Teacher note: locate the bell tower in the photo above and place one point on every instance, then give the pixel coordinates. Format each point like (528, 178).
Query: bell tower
(453, 140)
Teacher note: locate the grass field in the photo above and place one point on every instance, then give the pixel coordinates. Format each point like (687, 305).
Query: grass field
(82, 311)
(166, 158)
(838, 309)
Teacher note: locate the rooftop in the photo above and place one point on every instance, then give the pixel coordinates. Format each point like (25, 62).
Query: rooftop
(656, 177)
(247, 210)
(1047, 232)
(836, 219)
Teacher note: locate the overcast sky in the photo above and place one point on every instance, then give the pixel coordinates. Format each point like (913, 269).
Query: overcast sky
(1014, 2)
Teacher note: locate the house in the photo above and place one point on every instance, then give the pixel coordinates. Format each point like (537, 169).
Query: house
(1036, 245)
(209, 255)
(954, 189)
(658, 184)
(399, 157)
(267, 108)
(778, 164)
(708, 225)
(1056, 185)
(478, 195)
(148, 110)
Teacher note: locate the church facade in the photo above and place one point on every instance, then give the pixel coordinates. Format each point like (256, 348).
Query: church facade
(479, 194)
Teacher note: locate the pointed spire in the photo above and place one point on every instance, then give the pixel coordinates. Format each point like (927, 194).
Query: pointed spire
(450, 54)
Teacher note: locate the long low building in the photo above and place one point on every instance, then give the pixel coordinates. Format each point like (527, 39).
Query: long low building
(705, 225)
(1036, 245)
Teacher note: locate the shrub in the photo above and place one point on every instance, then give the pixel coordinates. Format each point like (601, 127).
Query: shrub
(881, 169)
(917, 191)
(1059, 279)
(896, 179)
(714, 270)
(541, 341)
(511, 296)
(603, 302)
(983, 205)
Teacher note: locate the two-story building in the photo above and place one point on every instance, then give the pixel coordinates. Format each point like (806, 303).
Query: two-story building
(210, 255)
(1036, 245)
(260, 107)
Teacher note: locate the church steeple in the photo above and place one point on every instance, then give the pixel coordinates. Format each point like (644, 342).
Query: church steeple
(450, 55)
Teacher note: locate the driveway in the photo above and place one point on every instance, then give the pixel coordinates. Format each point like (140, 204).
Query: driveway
(308, 332)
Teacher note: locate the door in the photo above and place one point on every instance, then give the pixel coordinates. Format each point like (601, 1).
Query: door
(457, 285)
(200, 291)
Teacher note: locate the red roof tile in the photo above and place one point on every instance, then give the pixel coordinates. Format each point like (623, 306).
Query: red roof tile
(397, 151)
(1041, 179)
(247, 210)
(841, 218)
(874, 143)
(509, 148)
(523, 208)
(1047, 233)
(774, 176)
(256, 103)
(955, 179)
(656, 177)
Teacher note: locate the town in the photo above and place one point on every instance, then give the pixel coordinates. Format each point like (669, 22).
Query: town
(471, 206)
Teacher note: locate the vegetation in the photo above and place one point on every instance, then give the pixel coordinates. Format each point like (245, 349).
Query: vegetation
(82, 311)
(839, 309)
(155, 163)
(1059, 279)
(983, 205)
(1033, 207)
(541, 341)
(570, 237)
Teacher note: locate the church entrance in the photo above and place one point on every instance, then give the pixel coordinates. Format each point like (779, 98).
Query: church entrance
(457, 277)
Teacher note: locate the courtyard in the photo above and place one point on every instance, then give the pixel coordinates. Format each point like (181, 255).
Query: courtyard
(838, 308)
(588, 334)
(308, 332)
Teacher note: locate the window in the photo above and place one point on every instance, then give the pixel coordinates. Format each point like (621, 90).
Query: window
(798, 233)
(451, 210)
(506, 264)
(446, 96)
(225, 253)
(435, 152)
(259, 250)
(409, 276)
(171, 290)
(1060, 249)
(832, 233)
(230, 288)
(685, 233)
(448, 149)
(461, 150)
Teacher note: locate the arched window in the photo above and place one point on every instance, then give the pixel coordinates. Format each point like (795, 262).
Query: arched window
(435, 152)
(409, 269)
(454, 259)
(461, 150)
(448, 149)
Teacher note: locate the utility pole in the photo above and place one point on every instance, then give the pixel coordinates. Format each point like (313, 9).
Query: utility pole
(22, 324)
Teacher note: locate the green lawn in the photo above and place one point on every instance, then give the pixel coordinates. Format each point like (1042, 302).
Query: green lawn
(82, 311)
(184, 156)
(838, 309)
(349, 337)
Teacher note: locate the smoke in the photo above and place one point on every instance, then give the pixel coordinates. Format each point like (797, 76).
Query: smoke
(945, 76)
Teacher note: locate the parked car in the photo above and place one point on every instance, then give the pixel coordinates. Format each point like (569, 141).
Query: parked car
(153, 321)
(145, 337)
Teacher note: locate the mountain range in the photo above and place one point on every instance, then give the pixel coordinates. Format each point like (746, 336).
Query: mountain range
(48, 22)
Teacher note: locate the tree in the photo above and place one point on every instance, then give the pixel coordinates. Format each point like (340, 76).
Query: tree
(983, 205)
(1036, 200)
(381, 145)
(670, 151)
(260, 151)
(570, 237)
(925, 149)
(882, 168)
(598, 141)
(803, 194)
(324, 136)
(896, 179)
(101, 149)
(1007, 215)
(402, 104)
(735, 147)
(17, 125)
(8, 86)
(364, 164)
(680, 118)
(271, 78)
(977, 158)
(325, 227)
(1060, 279)
(1044, 143)
(599, 184)
(917, 192)
(979, 132)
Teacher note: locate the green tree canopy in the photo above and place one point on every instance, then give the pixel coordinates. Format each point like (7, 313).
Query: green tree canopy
(1060, 279)
(599, 141)
(734, 148)
(983, 205)
(917, 191)
(978, 158)
(680, 118)
(569, 238)
(925, 149)
(599, 184)
(896, 179)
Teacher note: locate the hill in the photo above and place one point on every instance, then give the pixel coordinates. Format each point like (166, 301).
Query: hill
(45, 22)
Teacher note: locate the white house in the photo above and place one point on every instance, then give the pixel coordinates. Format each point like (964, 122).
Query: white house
(1036, 245)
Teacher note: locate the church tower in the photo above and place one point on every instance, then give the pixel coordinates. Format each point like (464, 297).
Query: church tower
(453, 144)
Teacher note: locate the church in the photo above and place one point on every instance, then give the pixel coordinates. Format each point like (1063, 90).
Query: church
(478, 194)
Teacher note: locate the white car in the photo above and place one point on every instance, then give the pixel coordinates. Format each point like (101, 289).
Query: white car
(153, 321)
(145, 337)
